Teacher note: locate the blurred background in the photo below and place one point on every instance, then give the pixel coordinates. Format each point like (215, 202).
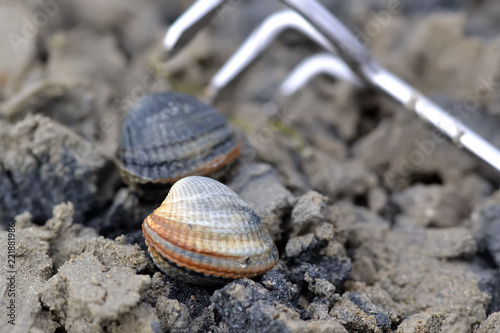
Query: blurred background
(412, 213)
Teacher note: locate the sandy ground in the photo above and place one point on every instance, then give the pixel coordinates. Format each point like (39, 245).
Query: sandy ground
(382, 225)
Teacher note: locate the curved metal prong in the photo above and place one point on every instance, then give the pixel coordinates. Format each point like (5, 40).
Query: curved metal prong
(360, 61)
(189, 23)
(321, 63)
(345, 43)
(258, 41)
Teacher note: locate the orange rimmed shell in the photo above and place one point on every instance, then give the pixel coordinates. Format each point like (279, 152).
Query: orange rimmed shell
(204, 233)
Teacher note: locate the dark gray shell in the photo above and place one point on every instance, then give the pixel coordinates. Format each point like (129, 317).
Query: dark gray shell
(168, 136)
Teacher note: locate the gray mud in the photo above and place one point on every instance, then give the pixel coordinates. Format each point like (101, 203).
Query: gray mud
(382, 225)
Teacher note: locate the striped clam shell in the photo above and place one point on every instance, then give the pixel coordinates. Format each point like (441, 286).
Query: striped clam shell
(167, 136)
(204, 233)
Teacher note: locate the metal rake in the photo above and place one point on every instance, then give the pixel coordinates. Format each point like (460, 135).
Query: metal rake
(344, 58)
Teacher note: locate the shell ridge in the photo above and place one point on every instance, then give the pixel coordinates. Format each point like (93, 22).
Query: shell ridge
(177, 255)
(247, 245)
(201, 143)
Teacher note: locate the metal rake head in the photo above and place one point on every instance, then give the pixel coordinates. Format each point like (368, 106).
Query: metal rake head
(344, 58)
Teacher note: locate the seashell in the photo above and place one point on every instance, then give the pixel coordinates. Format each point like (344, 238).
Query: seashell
(168, 136)
(204, 233)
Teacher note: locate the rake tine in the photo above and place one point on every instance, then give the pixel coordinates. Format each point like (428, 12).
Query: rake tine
(321, 63)
(358, 58)
(258, 41)
(189, 23)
